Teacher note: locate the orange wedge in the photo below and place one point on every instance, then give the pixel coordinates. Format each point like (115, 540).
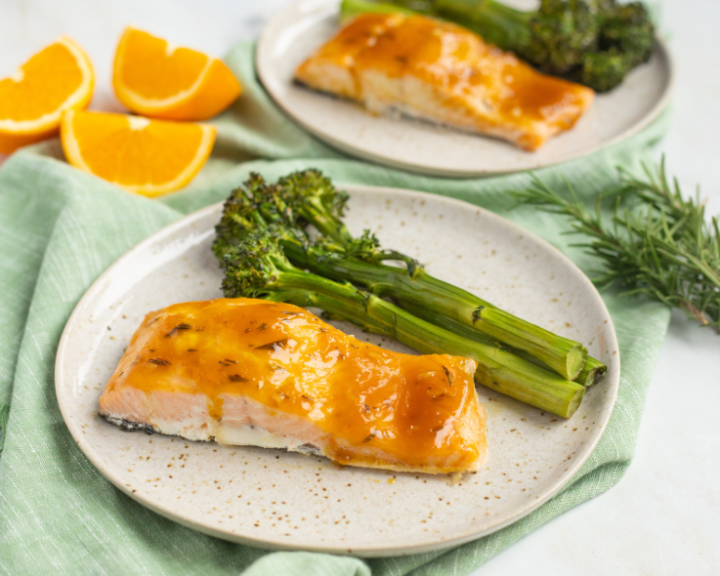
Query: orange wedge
(154, 78)
(148, 157)
(58, 78)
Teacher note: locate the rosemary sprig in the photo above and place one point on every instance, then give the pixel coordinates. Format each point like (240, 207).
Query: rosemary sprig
(656, 242)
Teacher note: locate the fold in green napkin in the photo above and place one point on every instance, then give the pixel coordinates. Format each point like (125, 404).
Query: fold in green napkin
(60, 229)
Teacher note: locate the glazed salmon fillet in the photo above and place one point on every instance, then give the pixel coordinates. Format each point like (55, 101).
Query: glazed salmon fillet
(253, 372)
(441, 72)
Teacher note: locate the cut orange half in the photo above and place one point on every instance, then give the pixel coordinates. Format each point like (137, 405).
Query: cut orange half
(58, 78)
(154, 78)
(148, 157)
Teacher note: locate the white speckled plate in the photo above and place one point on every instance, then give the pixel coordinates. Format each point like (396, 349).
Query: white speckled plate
(296, 32)
(275, 499)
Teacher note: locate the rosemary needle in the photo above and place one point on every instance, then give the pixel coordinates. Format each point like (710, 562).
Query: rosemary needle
(657, 242)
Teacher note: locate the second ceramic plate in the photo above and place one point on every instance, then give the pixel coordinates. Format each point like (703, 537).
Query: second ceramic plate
(276, 499)
(295, 33)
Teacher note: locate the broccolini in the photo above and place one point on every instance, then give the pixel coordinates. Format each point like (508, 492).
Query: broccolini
(252, 252)
(309, 197)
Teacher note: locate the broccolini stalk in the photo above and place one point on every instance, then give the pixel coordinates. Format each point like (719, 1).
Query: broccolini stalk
(593, 371)
(428, 297)
(351, 8)
(307, 196)
(255, 266)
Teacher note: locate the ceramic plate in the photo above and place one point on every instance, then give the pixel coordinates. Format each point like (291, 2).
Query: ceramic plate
(295, 33)
(274, 499)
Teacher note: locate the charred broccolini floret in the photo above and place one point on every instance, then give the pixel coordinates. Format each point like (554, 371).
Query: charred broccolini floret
(626, 40)
(307, 197)
(253, 254)
(628, 29)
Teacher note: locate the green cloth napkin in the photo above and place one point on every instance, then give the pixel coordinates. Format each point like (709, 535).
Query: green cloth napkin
(61, 228)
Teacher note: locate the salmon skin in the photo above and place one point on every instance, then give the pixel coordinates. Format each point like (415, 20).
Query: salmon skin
(440, 72)
(253, 372)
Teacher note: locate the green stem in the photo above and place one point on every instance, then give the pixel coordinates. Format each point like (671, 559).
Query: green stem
(495, 22)
(428, 296)
(351, 8)
(593, 371)
(316, 212)
(497, 368)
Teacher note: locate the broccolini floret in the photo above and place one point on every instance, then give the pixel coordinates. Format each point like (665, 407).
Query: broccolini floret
(626, 40)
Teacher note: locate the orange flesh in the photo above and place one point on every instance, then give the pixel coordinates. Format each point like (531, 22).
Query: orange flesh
(48, 78)
(414, 408)
(164, 72)
(470, 77)
(133, 151)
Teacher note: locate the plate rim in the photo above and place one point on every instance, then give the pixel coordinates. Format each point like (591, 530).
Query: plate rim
(264, 48)
(427, 545)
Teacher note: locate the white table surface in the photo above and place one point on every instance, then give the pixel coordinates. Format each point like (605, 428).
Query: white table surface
(663, 518)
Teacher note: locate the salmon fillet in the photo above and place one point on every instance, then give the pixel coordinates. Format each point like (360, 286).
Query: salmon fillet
(253, 372)
(441, 72)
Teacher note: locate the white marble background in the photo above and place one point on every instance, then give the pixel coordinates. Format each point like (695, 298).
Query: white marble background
(664, 516)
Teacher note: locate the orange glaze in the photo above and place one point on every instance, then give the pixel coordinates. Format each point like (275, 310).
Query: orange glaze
(415, 408)
(470, 76)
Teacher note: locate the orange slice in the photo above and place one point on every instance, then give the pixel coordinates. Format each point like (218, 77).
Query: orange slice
(60, 77)
(154, 78)
(148, 157)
